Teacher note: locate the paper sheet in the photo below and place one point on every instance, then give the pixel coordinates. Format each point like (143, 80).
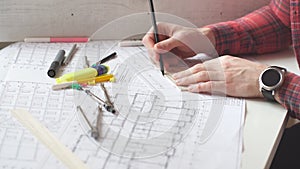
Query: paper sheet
(158, 125)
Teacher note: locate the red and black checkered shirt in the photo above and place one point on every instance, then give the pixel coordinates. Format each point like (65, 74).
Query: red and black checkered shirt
(268, 29)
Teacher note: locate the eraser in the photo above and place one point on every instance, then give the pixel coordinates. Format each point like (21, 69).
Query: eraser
(130, 43)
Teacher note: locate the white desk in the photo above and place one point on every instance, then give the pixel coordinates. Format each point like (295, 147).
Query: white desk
(265, 121)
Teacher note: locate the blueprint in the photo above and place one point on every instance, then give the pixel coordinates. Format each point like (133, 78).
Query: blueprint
(157, 125)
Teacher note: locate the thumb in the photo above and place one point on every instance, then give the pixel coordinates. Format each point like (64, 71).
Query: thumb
(166, 45)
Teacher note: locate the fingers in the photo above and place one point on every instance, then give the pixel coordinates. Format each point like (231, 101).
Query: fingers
(163, 46)
(166, 45)
(190, 71)
(198, 77)
(208, 87)
(148, 41)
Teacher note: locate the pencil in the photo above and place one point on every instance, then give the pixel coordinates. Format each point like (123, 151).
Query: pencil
(109, 57)
(152, 12)
(71, 53)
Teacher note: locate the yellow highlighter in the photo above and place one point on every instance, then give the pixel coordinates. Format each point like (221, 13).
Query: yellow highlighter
(74, 76)
(98, 79)
(83, 74)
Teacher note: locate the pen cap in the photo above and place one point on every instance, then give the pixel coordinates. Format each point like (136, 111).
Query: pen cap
(56, 63)
(101, 69)
(53, 69)
(60, 57)
(78, 75)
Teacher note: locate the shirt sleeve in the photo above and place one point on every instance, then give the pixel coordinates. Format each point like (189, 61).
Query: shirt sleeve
(289, 94)
(264, 30)
(259, 32)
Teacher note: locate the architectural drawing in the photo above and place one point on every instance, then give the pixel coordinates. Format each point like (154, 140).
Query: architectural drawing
(157, 125)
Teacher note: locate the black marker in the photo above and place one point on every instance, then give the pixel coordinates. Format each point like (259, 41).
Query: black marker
(56, 64)
(108, 58)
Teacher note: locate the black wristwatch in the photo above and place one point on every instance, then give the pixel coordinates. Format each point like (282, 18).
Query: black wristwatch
(270, 80)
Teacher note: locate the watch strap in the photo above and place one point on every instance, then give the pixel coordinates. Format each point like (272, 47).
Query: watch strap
(280, 68)
(269, 95)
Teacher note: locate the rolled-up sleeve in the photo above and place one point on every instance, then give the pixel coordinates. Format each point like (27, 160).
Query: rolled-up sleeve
(289, 94)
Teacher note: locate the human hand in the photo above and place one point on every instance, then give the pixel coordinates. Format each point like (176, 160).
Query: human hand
(227, 74)
(182, 41)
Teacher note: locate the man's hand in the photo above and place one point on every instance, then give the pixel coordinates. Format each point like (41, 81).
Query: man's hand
(184, 42)
(227, 74)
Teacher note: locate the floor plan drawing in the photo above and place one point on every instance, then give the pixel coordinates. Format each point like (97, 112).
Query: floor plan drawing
(156, 124)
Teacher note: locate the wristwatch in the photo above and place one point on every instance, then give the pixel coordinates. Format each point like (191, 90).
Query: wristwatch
(270, 80)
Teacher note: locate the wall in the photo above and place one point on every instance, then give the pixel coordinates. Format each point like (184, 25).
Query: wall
(25, 18)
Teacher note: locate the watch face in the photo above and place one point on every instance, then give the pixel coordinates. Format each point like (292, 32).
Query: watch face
(270, 77)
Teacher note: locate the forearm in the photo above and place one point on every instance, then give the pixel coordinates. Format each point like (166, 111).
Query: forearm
(258, 32)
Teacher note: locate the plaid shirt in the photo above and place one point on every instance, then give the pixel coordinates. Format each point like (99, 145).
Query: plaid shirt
(268, 29)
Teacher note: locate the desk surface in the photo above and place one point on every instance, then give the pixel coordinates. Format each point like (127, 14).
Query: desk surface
(265, 121)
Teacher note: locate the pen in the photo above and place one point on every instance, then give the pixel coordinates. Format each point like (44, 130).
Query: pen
(86, 62)
(161, 63)
(70, 54)
(63, 85)
(107, 58)
(57, 39)
(55, 65)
